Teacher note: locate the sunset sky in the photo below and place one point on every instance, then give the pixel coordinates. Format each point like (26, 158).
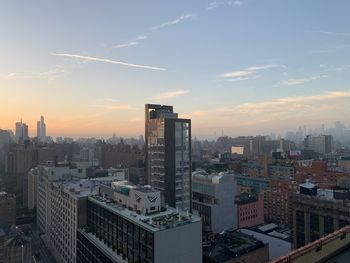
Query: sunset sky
(245, 67)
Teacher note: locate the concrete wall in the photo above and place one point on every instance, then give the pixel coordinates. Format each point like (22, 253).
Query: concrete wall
(181, 244)
(224, 214)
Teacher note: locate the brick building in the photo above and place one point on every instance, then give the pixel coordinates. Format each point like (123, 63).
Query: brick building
(278, 201)
(250, 210)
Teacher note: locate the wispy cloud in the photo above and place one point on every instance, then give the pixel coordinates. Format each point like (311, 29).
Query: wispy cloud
(112, 104)
(286, 108)
(244, 78)
(331, 33)
(138, 39)
(128, 44)
(135, 42)
(330, 49)
(173, 22)
(216, 3)
(141, 37)
(105, 60)
(292, 82)
(236, 74)
(247, 73)
(115, 106)
(327, 67)
(119, 107)
(52, 73)
(276, 104)
(171, 94)
(262, 67)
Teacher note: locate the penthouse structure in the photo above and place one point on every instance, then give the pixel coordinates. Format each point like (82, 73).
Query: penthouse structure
(128, 224)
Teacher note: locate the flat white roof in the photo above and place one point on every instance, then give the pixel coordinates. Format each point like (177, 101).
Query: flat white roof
(267, 227)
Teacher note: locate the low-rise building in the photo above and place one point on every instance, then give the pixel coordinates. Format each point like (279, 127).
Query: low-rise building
(250, 210)
(235, 247)
(277, 238)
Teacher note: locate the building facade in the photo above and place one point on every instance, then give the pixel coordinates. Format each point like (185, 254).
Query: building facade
(250, 210)
(278, 201)
(319, 212)
(256, 185)
(21, 132)
(168, 154)
(61, 206)
(126, 224)
(320, 143)
(7, 209)
(213, 197)
(41, 130)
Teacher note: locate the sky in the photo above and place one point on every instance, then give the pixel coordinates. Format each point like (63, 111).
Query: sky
(241, 67)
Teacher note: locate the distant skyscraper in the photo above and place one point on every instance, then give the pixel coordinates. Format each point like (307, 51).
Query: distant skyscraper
(21, 131)
(41, 130)
(25, 131)
(18, 133)
(320, 144)
(168, 154)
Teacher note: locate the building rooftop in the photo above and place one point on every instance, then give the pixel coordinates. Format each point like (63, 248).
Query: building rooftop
(277, 246)
(78, 188)
(325, 199)
(123, 187)
(308, 185)
(6, 195)
(165, 219)
(245, 198)
(202, 176)
(229, 245)
(268, 227)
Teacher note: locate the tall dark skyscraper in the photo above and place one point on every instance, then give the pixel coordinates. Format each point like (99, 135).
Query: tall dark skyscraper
(168, 154)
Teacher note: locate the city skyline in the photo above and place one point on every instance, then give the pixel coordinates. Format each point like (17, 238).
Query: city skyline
(245, 67)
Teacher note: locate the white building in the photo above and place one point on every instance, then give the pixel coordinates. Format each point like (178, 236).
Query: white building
(214, 199)
(61, 205)
(41, 130)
